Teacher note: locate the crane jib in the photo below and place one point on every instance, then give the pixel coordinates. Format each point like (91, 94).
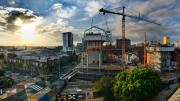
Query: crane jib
(127, 15)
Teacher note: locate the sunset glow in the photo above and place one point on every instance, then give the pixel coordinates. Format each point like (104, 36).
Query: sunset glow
(28, 32)
(25, 22)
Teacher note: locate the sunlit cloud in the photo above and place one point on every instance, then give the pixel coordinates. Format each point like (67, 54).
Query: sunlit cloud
(42, 22)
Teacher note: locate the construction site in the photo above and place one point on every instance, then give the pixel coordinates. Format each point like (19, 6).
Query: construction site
(69, 76)
(103, 56)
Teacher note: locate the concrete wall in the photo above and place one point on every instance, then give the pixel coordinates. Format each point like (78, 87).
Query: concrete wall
(93, 57)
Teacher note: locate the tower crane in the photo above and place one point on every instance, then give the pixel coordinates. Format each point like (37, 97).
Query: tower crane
(124, 15)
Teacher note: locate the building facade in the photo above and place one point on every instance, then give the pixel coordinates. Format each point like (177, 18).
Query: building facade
(177, 44)
(34, 65)
(93, 44)
(67, 41)
(177, 57)
(161, 57)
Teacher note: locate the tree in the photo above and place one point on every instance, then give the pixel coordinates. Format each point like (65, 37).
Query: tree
(105, 87)
(6, 83)
(1, 73)
(136, 85)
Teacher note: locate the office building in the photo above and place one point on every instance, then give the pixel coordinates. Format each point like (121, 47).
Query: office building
(67, 41)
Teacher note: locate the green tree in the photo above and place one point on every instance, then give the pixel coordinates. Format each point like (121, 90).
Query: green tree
(136, 85)
(6, 83)
(105, 87)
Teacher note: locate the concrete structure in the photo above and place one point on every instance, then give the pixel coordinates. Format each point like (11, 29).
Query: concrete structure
(118, 43)
(35, 64)
(67, 41)
(37, 61)
(93, 43)
(160, 57)
(176, 57)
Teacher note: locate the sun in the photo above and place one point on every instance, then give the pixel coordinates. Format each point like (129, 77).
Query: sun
(28, 32)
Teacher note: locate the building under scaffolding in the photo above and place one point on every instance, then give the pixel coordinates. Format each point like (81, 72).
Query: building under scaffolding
(97, 49)
(93, 44)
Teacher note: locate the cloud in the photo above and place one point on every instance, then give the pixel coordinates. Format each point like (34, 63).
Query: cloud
(64, 12)
(165, 12)
(57, 28)
(93, 7)
(150, 6)
(48, 32)
(57, 6)
(12, 2)
(9, 17)
(58, 16)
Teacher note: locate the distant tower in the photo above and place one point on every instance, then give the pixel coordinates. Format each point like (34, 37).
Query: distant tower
(165, 40)
(67, 41)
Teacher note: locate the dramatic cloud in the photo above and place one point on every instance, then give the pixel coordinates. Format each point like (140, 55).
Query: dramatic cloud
(11, 17)
(165, 12)
(49, 18)
(15, 20)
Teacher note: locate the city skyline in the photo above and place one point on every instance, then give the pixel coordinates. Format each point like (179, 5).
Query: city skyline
(90, 50)
(41, 22)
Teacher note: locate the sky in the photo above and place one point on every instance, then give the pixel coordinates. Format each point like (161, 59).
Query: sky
(42, 22)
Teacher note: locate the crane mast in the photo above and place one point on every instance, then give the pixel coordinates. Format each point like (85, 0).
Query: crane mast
(145, 52)
(123, 28)
(123, 38)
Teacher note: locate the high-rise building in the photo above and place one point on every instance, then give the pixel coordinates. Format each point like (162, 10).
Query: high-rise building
(67, 41)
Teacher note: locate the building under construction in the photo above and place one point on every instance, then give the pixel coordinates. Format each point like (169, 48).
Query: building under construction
(93, 44)
(98, 48)
(99, 54)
